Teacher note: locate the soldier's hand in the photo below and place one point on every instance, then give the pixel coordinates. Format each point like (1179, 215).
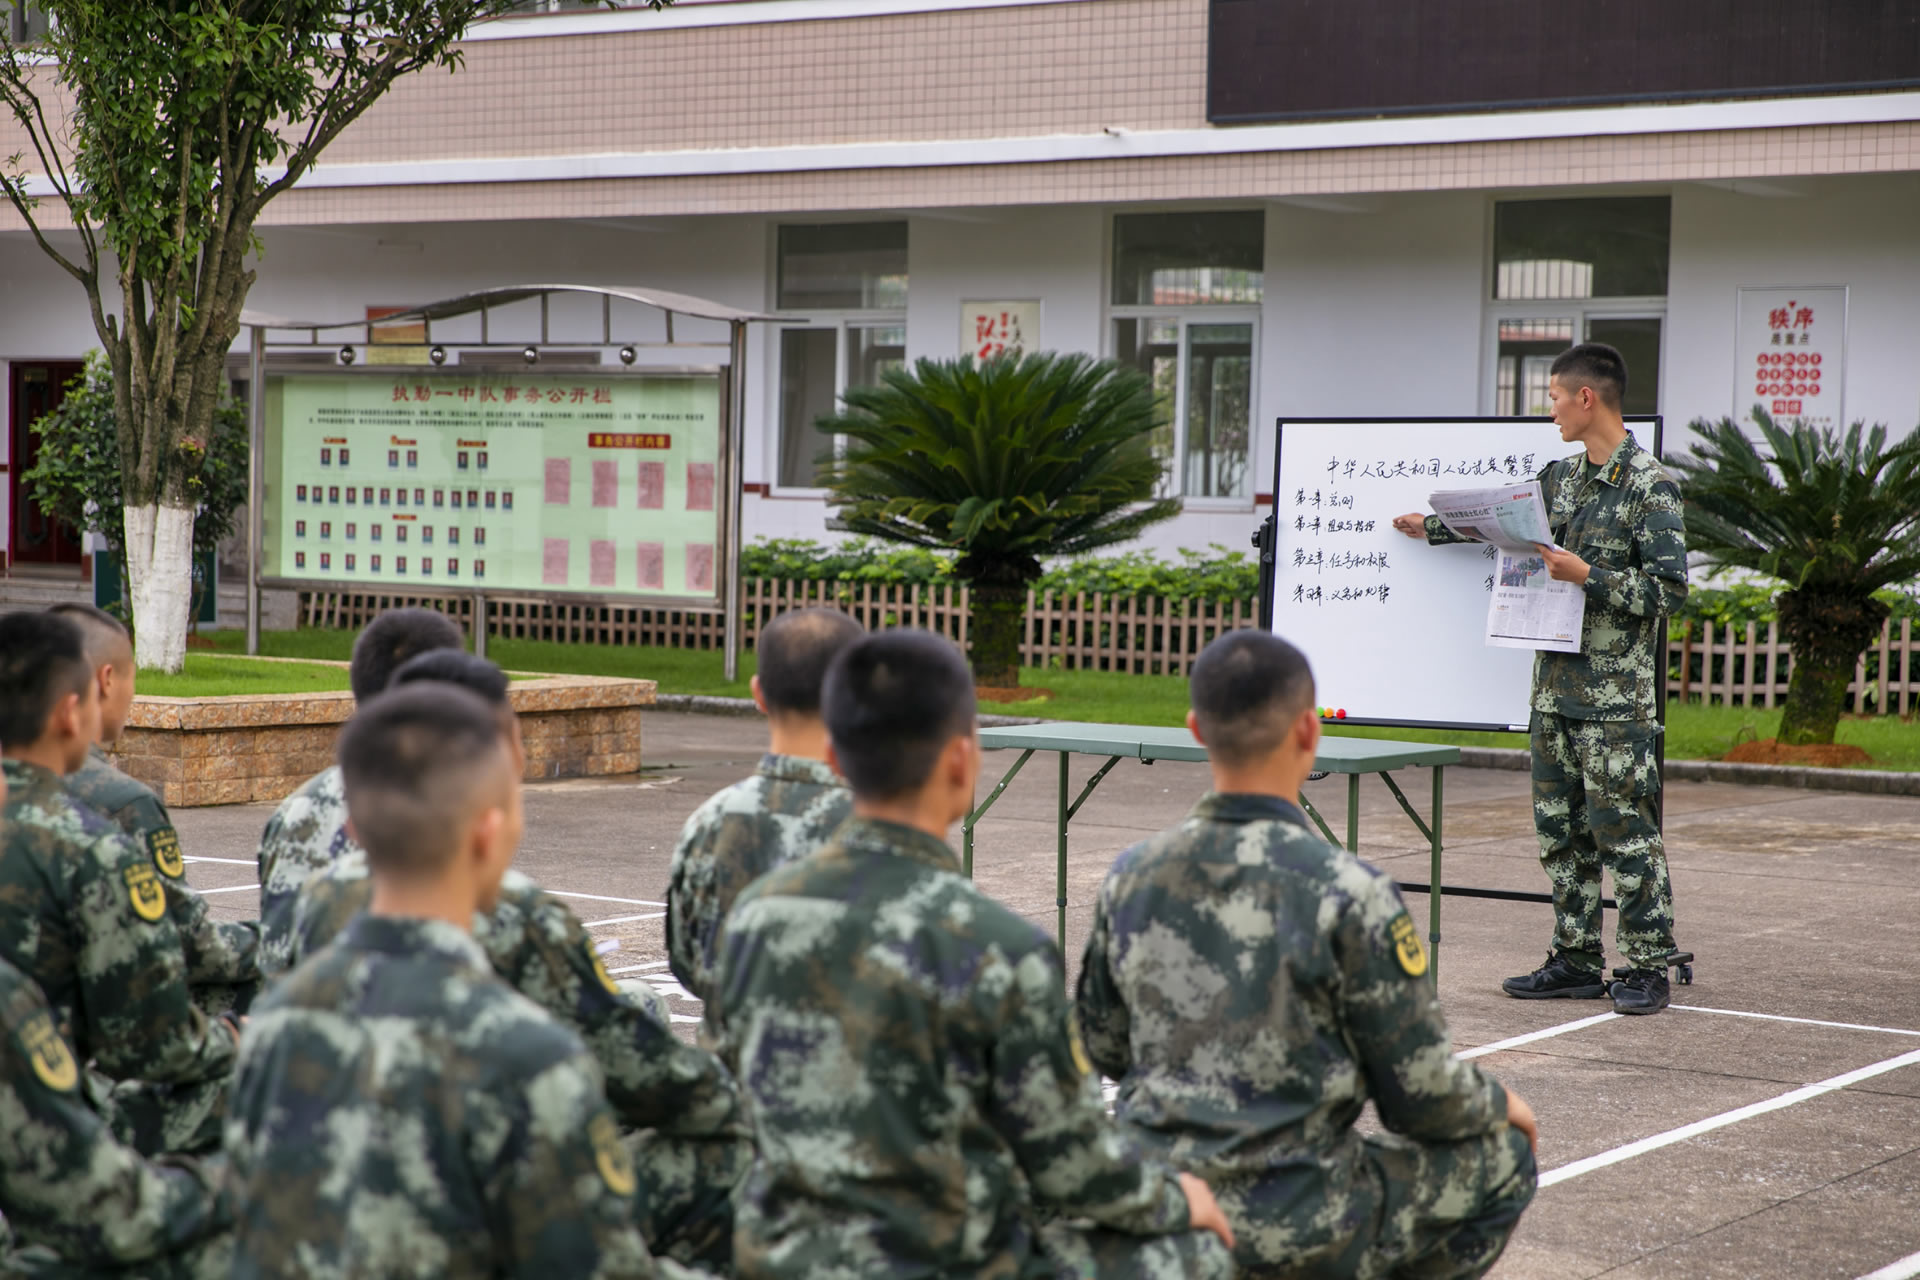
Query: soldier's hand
(1413, 524)
(1520, 1116)
(1564, 565)
(1203, 1211)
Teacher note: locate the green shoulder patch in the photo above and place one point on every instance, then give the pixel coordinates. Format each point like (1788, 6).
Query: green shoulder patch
(164, 844)
(1407, 948)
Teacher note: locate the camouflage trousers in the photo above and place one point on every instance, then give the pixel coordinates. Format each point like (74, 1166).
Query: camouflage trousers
(1073, 1251)
(1595, 788)
(1419, 1211)
(163, 1119)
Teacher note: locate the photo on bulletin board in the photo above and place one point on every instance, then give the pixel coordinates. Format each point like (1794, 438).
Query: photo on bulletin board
(595, 484)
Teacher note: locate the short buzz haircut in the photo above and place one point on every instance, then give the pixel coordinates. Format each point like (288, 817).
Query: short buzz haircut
(43, 658)
(1596, 365)
(416, 763)
(1246, 690)
(455, 666)
(793, 653)
(393, 637)
(102, 632)
(892, 703)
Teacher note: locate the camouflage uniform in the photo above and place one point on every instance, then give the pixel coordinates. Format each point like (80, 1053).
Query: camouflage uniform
(786, 810)
(917, 1093)
(1251, 986)
(84, 913)
(692, 1147)
(77, 1201)
(1596, 778)
(303, 838)
(223, 960)
(399, 1111)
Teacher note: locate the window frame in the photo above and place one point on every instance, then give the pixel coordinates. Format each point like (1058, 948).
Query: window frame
(842, 324)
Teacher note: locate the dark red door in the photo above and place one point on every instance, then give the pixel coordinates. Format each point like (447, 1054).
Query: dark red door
(37, 390)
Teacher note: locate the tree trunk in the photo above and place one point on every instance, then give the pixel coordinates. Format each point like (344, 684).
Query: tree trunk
(159, 559)
(994, 615)
(1827, 633)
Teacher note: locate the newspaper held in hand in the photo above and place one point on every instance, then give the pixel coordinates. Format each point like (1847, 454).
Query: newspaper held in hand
(1528, 608)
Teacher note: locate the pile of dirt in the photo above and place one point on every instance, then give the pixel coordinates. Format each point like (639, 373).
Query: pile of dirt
(1823, 755)
(1013, 695)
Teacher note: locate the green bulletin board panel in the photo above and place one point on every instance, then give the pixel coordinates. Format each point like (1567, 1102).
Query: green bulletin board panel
(530, 482)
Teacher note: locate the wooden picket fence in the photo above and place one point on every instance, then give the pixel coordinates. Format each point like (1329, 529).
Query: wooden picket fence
(1749, 665)
(1141, 635)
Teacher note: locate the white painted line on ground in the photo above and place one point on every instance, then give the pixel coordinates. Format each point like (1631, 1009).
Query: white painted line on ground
(1515, 1042)
(636, 968)
(232, 862)
(683, 1017)
(600, 897)
(232, 888)
(1807, 1022)
(1804, 1094)
(1905, 1269)
(652, 915)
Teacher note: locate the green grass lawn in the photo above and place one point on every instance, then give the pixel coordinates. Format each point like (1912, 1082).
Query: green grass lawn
(212, 674)
(1694, 732)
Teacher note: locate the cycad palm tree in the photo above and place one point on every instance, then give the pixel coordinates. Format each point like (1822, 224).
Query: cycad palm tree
(1005, 461)
(1835, 517)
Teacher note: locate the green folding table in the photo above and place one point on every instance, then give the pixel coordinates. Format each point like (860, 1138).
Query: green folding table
(1146, 743)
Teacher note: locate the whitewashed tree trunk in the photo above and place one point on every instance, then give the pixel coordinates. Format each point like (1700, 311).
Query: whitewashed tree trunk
(160, 572)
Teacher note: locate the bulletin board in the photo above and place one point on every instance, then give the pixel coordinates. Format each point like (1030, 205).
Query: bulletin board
(1395, 628)
(510, 483)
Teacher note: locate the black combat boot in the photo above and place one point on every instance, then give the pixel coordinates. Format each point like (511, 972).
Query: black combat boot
(1558, 979)
(1641, 991)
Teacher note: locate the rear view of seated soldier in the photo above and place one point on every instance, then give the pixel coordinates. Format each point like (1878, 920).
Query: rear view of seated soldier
(916, 1089)
(1251, 987)
(691, 1145)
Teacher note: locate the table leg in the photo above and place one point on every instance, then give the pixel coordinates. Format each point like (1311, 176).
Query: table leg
(1433, 898)
(1060, 880)
(1353, 813)
(966, 825)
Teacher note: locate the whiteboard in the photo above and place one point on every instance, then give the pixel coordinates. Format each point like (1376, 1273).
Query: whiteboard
(1396, 629)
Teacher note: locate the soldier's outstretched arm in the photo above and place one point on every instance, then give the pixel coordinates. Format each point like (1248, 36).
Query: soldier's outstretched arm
(1658, 584)
(1393, 1019)
(1045, 1101)
(141, 1021)
(1105, 1026)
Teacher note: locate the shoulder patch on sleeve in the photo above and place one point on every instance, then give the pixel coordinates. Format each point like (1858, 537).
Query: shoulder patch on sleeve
(144, 891)
(600, 969)
(1407, 947)
(164, 844)
(52, 1062)
(616, 1168)
(1078, 1046)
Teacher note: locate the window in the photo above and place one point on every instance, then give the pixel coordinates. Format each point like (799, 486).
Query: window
(1186, 299)
(1567, 271)
(848, 281)
(28, 24)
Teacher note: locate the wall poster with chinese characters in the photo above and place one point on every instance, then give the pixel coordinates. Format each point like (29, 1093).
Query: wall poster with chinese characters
(988, 329)
(535, 482)
(1792, 354)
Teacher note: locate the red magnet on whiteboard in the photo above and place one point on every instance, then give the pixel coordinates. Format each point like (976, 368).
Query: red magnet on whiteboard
(1341, 714)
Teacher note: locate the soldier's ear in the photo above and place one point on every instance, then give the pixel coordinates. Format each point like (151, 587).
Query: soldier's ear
(1193, 727)
(759, 699)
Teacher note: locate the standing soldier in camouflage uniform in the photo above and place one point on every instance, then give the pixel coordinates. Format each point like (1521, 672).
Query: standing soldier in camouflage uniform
(84, 913)
(917, 1092)
(398, 1110)
(1596, 780)
(690, 1146)
(223, 959)
(1251, 986)
(309, 829)
(785, 811)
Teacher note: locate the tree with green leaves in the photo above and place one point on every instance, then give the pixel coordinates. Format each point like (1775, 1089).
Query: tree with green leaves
(76, 475)
(159, 131)
(1835, 516)
(1005, 462)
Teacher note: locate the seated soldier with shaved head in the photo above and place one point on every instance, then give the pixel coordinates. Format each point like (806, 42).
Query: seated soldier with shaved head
(1252, 987)
(917, 1093)
(398, 1110)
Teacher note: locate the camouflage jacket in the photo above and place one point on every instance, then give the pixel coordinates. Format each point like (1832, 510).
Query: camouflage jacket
(538, 945)
(399, 1111)
(911, 1073)
(84, 914)
(1251, 987)
(1625, 521)
(216, 951)
(303, 838)
(786, 810)
(68, 1187)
